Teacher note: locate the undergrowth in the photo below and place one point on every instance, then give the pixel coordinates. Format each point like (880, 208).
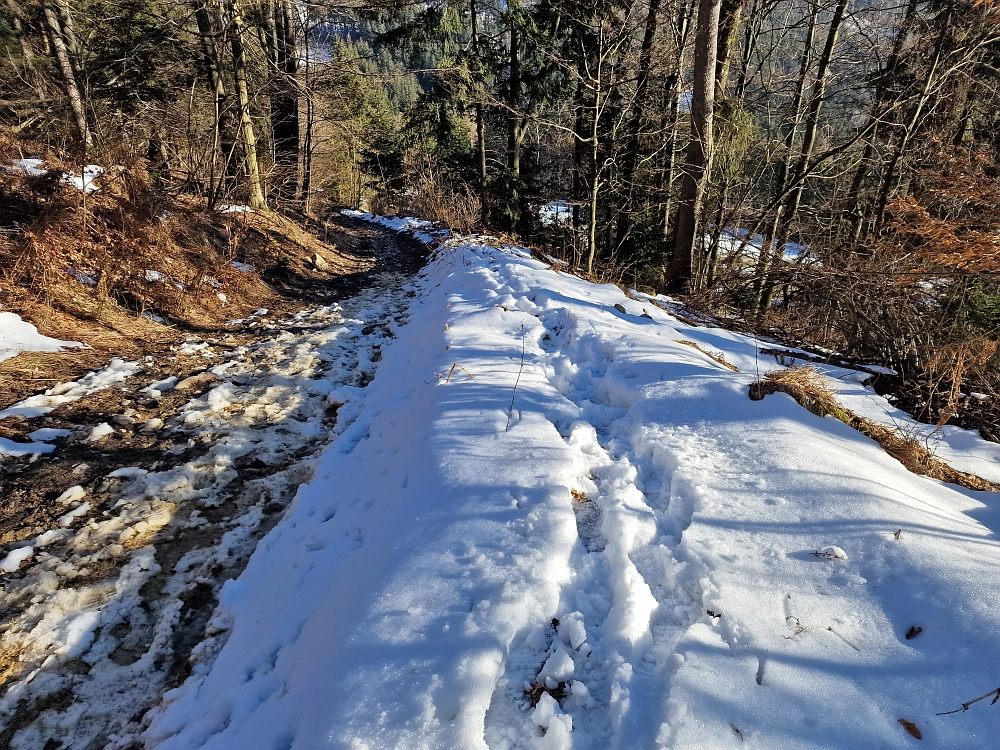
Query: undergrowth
(804, 384)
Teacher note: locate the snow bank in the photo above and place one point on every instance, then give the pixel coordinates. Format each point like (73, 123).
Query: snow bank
(645, 558)
(17, 335)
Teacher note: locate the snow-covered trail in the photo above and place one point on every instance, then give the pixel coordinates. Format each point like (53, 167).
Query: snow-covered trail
(645, 558)
(112, 605)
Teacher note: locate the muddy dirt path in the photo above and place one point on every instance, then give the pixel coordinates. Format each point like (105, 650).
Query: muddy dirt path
(158, 478)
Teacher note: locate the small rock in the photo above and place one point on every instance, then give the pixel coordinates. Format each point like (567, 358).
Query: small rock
(620, 308)
(197, 381)
(318, 263)
(123, 419)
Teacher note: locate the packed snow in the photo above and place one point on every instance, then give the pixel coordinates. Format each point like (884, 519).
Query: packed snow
(552, 522)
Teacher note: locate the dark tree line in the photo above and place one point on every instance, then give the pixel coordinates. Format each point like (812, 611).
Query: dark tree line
(830, 161)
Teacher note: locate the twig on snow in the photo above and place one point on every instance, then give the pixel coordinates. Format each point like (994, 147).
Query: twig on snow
(452, 372)
(965, 706)
(510, 411)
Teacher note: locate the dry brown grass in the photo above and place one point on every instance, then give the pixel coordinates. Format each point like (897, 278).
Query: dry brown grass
(117, 234)
(714, 356)
(804, 384)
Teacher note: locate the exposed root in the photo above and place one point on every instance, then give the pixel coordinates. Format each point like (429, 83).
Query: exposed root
(809, 389)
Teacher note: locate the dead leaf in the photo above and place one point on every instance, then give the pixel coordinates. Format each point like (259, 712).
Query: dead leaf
(913, 632)
(911, 729)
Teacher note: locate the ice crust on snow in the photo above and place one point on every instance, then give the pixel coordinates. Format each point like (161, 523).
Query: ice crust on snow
(413, 589)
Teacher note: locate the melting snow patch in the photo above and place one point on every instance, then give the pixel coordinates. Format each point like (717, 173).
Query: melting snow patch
(72, 495)
(12, 561)
(99, 432)
(30, 167)
(75, 634)
(128, 472)
(86, 181)
(242, 267)
(116, 372)
(69, 518)
(17, 335)
(46, 434)
(14, 449)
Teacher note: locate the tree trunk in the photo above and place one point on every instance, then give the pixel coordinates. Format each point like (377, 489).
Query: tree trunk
(595, 179)
(225, 125)
(699, 153)
(284, 97)
(729, 21)
(255, 188)
(27, 54)
(514, 92)
(579, 150)
(909, 127)
(787, 215)
(633, 143)
(751, 32)
(671, 117)
(57, 40)
(765, 257)
(307, 146)
(484, 190)
(886, 76)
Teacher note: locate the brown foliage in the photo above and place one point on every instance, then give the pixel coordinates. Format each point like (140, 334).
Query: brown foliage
(952, 221)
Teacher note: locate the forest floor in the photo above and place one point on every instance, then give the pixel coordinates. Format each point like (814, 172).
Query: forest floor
(161, 470)
(486, 504)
